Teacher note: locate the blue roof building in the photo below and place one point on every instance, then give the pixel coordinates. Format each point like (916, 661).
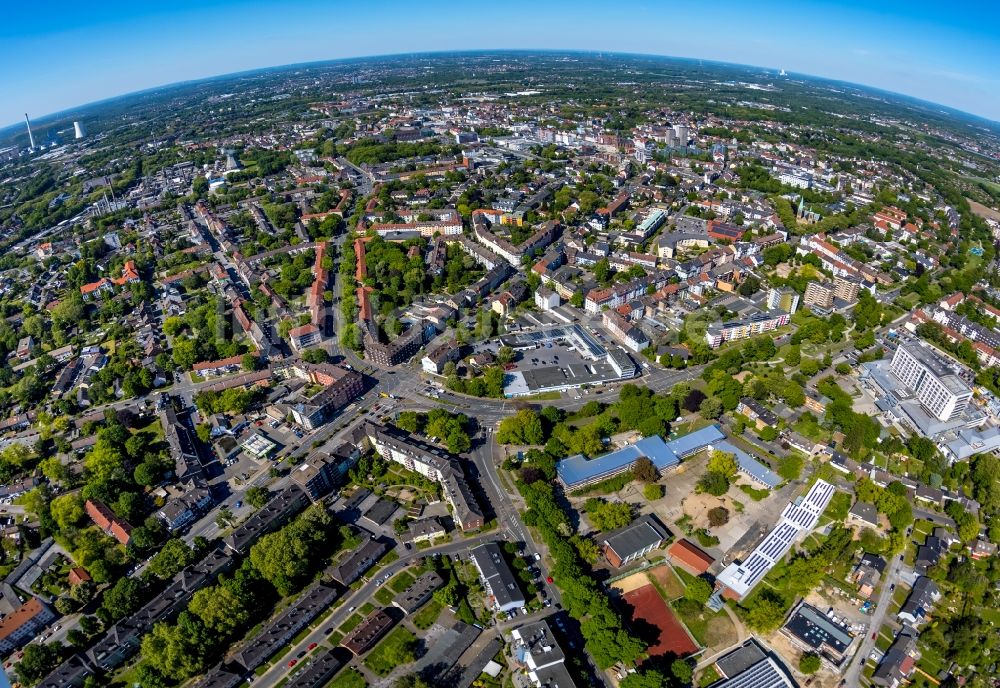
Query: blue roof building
(751, 466)
(577, 471)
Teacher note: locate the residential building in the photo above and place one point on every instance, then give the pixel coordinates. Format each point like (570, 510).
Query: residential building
(106, 520)
(182, 511)
(304, 336)
(435, 360)
(899, 660)
(867, 573)
(637, 539)
(498, 580)
(920, 602)
(320, 473)
(535, 648)
(358, 561)
(425, 529)
(371, 630)
(719, 333)
(846, 288)
(282, 507)
(431, 462)
(546, 299)
(23, 624)
(762, 416)
(782, 299)
(625, 331)
(337, 388)
(863, 514)
(819, 294)
(282, 628)
(95, 290)
(398, 351)
(418, 592)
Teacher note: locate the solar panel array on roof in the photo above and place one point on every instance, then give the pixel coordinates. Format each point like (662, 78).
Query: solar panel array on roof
(764, 674)
(796, 520)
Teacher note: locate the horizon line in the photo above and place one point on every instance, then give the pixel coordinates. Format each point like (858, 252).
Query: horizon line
(480, 51)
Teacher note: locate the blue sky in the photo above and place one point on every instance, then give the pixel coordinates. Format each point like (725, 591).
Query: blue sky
(58, 55)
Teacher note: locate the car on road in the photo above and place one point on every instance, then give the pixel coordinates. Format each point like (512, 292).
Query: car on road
(328, 630)
(292, 662)
(549, 579)
(892, 587)
(874, 635)
(312, 646)
(300, 655)
(351, 610)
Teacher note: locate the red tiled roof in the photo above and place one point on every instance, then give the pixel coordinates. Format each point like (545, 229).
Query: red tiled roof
(690, 555)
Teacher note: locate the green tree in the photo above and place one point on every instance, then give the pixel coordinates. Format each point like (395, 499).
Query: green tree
(123, 598)
(171, 559)
(36, 662)
(524, 427)
(698, 590)
(258, 496)
(67, 510)
(644, 470)
(809, 663)
(607, 516)
(723, 463)
(711, 408)
(219, 609)
(766, 612)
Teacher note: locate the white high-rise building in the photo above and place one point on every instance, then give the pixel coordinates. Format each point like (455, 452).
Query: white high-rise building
(78, 130)
(942, 393)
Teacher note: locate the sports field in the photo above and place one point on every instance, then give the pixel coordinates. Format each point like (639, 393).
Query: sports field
(649, 609)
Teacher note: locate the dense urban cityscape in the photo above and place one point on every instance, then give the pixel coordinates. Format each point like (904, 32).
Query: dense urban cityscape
(501, 369)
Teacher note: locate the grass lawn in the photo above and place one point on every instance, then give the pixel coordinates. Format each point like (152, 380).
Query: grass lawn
(884, 639)
(426, 617)
(708, 676)
(394, 650)
(666, 582)
(351, 623)
(930, 661)
(384, 596)
(710, 629)
(154, 427)
(348, 678)
(754, 494)
(401, 581)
